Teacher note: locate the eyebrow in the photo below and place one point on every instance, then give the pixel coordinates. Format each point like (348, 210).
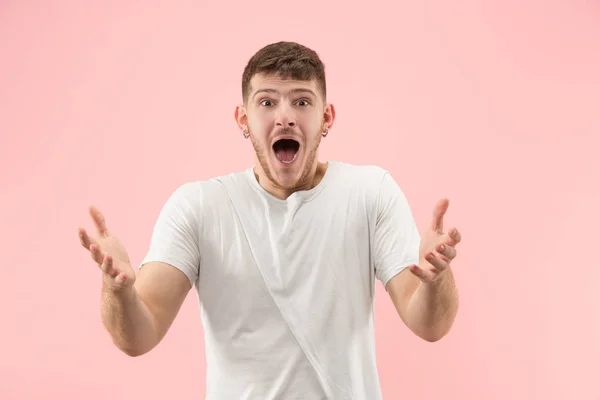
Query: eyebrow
(297, 90)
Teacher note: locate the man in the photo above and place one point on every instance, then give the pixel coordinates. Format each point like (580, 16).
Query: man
(284, 255)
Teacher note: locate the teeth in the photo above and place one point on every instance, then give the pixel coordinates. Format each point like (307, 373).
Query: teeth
(291, 161)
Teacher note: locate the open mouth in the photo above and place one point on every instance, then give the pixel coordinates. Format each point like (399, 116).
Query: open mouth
(286, 150)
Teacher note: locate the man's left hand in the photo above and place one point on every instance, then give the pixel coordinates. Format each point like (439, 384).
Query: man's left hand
(437, 248)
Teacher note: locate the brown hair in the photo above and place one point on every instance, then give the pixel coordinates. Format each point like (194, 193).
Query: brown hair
(286, 60)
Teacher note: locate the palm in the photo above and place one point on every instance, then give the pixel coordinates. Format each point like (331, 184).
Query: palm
(108, 252)
(437, 248)
(111, 246)
(428, 241)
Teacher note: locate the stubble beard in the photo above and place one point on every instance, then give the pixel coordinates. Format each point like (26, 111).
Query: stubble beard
(304, 180)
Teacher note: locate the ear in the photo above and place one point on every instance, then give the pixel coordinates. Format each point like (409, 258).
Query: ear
(328, 116)
(241, 118)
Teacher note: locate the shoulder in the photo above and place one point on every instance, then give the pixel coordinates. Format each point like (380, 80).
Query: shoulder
(208, 192)
(374, 182)
(368, 177)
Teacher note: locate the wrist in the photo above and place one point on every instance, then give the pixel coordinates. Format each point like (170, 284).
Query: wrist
(125, 292)
(439, 283)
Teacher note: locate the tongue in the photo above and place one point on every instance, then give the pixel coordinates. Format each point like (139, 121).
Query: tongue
(285, 155)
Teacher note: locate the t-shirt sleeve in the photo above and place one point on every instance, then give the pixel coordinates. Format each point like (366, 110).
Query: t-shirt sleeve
(396, 237)
(175, 238)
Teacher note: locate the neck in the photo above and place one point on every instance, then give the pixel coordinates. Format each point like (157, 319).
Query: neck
(310, 181)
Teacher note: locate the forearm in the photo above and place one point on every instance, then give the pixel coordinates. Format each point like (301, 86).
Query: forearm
(432, 308)
(129, 321)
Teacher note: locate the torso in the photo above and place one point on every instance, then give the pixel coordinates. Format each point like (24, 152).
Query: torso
(286, 287)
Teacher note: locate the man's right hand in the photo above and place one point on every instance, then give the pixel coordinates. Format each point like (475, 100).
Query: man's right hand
(108, 252)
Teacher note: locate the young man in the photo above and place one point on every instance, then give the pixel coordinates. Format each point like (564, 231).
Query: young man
(284, 255)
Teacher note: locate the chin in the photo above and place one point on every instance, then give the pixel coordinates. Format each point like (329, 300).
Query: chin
(288, 176)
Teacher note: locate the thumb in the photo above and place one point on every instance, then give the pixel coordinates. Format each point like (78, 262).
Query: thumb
(437, 223)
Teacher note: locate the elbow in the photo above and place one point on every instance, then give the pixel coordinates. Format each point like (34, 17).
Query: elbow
(432, 334)
(132, 352)
(129, 350)
(432, 337)
(436, 332)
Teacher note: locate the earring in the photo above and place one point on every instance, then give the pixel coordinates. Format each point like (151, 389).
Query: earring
(326, 132)
(246, 135)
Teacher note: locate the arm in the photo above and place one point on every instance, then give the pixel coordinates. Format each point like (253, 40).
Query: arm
(138, 317)
(421, 288)
(427, 309)
(138, 309)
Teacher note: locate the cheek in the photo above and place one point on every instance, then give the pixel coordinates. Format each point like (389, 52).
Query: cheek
(259, 124)
(259, 130)
(312, 126)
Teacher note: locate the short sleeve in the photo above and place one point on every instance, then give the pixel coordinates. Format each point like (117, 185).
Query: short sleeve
(175, 238)
(396, 237)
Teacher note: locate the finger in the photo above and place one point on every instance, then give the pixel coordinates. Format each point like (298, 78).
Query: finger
(96, 254)
(84, 239)
(436, 262)
(419, 273)
(107, 267)
(453, 237)
(99, 221)
(447, 252)
(437, 224)
(455, 234)
(121, 278)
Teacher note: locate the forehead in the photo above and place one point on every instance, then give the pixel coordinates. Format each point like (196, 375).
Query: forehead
(262, 82)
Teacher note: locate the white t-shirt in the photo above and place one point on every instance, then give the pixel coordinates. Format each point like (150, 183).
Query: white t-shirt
(286, 287)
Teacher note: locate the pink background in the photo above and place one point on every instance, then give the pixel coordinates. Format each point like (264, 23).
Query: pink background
(495, 104)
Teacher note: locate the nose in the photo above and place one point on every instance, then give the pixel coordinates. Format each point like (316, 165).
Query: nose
(286, 117)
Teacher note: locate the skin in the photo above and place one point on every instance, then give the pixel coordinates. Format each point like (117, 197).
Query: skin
(276, 107)
(425, 295)
(138, 309)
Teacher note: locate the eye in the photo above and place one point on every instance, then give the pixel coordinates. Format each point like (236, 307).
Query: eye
(267, 103)
(303, 102)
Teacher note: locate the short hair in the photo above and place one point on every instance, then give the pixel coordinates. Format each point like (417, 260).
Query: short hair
(287, 60)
